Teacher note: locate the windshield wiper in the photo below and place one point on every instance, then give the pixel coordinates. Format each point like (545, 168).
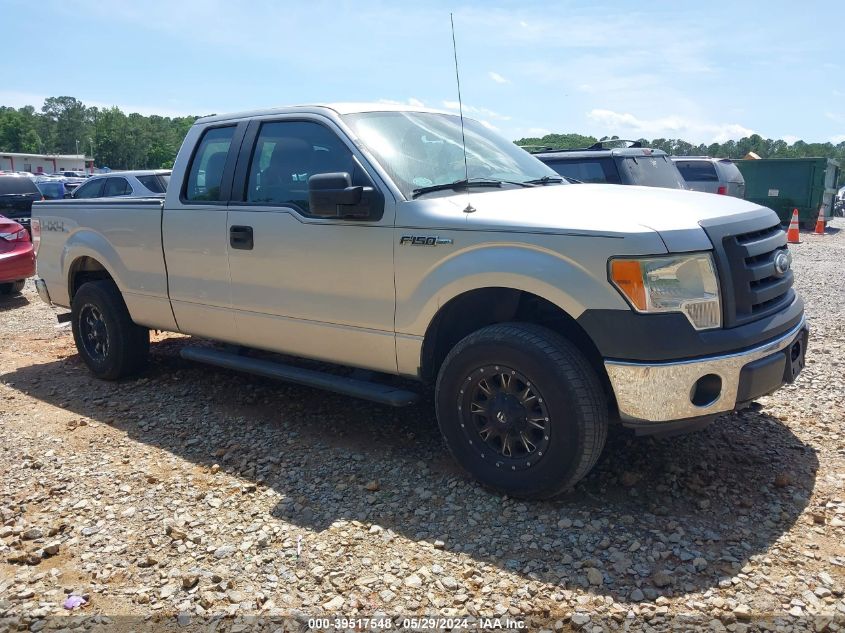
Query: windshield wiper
(463, 183)
(545, 180)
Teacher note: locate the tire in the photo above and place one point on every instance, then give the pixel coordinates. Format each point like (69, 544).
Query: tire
(110, 344)
(564, 396)
(13, 287)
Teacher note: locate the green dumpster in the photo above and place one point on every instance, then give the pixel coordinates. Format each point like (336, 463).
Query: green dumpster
(784, 184)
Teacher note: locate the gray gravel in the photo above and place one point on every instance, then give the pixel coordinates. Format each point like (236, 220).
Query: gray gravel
(193, 492)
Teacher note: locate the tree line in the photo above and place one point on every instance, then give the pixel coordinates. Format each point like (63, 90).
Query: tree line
(65, 125)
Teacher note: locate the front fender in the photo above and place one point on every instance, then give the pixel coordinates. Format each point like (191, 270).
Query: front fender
(573, 281)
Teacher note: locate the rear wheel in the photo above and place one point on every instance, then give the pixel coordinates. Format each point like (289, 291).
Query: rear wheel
(13, 287)
(110, 344)
(521, 410)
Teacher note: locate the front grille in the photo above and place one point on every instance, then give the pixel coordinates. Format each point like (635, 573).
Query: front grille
(751, 287)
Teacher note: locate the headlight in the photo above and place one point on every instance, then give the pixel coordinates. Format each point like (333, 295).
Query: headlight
(675, 283)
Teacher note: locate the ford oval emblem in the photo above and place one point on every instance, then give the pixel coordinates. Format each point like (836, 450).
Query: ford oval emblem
(783, 260)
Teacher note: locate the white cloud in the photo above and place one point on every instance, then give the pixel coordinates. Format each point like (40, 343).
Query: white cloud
(497, 78)
(469, 109)
(790, 138)
(839, 138)
(667, 127)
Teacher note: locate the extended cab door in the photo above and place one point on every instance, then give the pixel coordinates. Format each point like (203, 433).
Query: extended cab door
(194, 233)
(303, 285)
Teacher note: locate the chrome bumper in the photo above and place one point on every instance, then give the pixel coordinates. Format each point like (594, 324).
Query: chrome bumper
(41, 288)
(661, 392)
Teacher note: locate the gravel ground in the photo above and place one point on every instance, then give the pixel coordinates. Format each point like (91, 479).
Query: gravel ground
(193, 492)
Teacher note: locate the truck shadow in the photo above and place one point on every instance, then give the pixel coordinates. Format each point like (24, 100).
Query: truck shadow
(671, 516)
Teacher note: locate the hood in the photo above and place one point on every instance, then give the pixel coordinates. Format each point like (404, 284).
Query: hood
(616, 210)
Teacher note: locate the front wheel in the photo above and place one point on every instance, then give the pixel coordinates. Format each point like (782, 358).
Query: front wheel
(107, 340)
(521, 410)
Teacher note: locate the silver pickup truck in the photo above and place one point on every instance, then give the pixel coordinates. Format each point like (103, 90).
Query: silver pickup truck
(365, 236)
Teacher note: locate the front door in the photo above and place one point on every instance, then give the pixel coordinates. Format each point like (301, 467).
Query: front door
(308, 286)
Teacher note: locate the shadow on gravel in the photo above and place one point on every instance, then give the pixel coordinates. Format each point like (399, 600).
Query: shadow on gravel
(668, 516)
(10, 302)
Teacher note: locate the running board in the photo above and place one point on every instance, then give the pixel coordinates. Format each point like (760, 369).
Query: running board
(377, 392)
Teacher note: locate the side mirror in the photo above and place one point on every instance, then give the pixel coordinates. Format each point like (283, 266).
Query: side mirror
(333, 196)
(68, 194)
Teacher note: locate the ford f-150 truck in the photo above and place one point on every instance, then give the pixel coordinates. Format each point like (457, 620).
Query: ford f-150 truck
(406, 242)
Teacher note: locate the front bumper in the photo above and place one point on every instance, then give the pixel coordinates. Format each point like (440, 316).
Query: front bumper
(693, 389)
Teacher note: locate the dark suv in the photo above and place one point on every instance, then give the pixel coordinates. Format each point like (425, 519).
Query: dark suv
(631, 165)
(17, 193)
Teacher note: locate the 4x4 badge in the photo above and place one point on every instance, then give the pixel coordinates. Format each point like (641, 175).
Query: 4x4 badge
(424, 240)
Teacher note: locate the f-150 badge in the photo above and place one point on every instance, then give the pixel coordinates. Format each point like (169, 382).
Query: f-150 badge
(424, 240)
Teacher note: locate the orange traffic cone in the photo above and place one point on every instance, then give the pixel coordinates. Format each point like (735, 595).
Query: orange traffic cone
(792, 235)
(820, 222)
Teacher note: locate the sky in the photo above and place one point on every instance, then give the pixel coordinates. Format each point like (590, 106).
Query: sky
(701, 71)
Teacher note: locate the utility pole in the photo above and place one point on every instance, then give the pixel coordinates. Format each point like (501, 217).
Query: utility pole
(77, 147)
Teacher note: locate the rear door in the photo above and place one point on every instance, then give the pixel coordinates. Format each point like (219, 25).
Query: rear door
(301, 284)
(194, 234)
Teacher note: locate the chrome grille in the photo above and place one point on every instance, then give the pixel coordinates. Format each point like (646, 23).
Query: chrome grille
(752, 287)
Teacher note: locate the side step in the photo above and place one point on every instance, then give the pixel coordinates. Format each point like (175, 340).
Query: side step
(384, 394)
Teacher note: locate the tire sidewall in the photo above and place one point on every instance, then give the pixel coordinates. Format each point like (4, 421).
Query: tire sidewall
(567, 436)
(93, 296)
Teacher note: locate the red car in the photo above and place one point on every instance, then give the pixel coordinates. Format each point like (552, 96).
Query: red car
(17, 256)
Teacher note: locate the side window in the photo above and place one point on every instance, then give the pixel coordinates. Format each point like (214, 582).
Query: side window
(152, 183)
(206, 173)
(286, 154)
(116, 187)
(91, 189)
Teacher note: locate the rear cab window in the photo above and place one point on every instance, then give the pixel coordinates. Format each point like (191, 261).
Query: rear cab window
(205, 175)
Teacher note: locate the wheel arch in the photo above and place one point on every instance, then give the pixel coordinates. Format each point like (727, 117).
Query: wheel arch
(85, 268)
(474, 309)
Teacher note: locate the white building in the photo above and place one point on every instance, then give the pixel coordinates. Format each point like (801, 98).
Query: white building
(45, 163)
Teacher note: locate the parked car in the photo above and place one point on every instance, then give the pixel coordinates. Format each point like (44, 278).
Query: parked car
(17, 193)
(350, 234)
(600, 163)
(125, 184)
(17, 256)
(711, 175)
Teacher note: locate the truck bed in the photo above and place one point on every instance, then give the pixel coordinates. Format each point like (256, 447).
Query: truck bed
(123, 234)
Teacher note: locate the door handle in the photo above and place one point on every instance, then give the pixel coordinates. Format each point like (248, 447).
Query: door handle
(240, 237)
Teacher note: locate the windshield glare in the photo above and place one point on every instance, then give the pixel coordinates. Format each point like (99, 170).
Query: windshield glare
(419, 149)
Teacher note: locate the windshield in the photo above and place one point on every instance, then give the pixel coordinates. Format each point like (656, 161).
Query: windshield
(419, 149)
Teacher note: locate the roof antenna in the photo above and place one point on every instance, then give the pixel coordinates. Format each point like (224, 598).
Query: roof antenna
(469, 208)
